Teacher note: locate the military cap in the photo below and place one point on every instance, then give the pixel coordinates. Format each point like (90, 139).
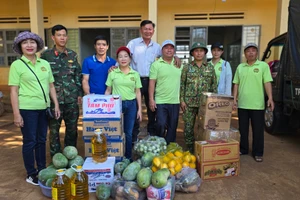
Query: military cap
(197, 45)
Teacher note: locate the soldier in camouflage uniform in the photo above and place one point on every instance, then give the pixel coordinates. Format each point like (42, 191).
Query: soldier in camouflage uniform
(196, 77)
(67, 74)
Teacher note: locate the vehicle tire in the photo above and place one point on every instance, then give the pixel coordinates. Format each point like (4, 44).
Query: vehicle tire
(275, 121)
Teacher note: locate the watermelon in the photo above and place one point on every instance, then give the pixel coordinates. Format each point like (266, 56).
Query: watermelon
(78, 160)
(70, 152)
(59, 161)
(46, 174)
(69, 173)
(49, 182)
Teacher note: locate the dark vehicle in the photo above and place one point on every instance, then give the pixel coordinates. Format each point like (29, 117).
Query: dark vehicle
(283, 56)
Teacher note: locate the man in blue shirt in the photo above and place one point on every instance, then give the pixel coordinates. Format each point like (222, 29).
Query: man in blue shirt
(95, 68)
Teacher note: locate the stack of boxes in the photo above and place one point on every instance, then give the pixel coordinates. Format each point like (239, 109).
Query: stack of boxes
(104, 111)
(217, 145)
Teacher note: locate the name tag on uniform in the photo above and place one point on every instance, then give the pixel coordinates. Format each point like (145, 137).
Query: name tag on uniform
(52, 63)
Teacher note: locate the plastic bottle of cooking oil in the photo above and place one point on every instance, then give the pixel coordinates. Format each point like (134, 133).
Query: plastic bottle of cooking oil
(79, 184)
(99, 147)
(61, 186)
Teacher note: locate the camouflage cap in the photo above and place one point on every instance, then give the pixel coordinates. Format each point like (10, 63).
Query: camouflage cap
(197, 45)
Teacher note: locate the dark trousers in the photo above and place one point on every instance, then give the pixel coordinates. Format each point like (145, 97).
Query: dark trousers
(70, 114)
(257, 123)
(34, 134)
(150, 114)
(167, 116)
(129, 110)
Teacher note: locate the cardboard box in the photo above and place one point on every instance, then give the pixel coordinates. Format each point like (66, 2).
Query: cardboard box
(101, 106)
(99, 173)
(112, 128)
(115, 148)
(220, 169)
(219, 150)
(215, 111)
(207, 134)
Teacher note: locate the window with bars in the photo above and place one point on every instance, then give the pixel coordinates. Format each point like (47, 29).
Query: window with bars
(7, 55)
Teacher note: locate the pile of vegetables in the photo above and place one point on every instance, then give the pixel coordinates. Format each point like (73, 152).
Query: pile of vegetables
(153, 144)
(66, 159)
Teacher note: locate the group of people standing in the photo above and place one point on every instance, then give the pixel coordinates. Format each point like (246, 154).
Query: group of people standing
(143, 68)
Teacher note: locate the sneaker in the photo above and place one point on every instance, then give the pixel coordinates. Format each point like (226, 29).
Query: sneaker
(32, 179)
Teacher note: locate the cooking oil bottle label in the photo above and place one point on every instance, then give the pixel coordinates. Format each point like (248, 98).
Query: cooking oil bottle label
(73, 189)
(93, 149)
(54, 194)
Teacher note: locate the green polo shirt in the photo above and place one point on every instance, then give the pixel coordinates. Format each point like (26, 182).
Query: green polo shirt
(218, 68)
(124, 84)
(251, 81)
(30, 93)
(167, 78)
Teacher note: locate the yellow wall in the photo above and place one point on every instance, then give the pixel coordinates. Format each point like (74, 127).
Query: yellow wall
(257, 12)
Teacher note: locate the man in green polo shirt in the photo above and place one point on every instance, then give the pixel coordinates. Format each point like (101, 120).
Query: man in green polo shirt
(250, 80)
(165, 83)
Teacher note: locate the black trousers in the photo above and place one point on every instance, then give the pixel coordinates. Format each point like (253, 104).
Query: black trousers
(150, 114)
(257, 123)
(167, 116)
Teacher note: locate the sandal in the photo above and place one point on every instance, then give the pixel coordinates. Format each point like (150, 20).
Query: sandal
(258, 158)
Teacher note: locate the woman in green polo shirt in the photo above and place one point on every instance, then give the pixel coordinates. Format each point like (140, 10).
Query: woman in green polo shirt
(126, 82)
(28, 100)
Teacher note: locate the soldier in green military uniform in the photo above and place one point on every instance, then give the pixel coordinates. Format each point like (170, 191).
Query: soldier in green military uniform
(67, 74)
(196, 77)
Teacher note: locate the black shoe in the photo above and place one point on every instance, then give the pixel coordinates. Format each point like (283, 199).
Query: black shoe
(32, 179)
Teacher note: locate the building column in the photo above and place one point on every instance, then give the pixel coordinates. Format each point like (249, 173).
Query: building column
(282, 16)
(37, 17)
(152, 15)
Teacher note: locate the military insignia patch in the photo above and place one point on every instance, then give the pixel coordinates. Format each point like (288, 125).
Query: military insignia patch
(256, 70)
(70, 61)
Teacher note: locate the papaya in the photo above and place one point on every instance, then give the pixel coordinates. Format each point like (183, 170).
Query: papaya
(102, 192)
(147, 159)
(160, 178)
(144, 177)
(131, 171)
(119, 167)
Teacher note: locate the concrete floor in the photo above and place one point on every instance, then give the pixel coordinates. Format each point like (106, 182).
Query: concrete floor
(276, 178)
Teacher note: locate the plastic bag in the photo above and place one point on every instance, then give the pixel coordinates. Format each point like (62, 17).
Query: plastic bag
(152, 144)
(117, 182)
(187, 180)
(165, 193)
(133, 192)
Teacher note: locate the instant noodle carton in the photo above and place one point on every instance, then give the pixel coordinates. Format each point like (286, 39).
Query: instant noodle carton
(102, 106)
(112, 128)
(219, 169)
(215, 111)
(219, 150)
(217, 159)
(115, 148)
(99, 173)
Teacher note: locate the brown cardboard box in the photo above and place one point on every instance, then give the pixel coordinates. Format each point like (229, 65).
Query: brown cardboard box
(112, 128)
(115, 148)
(215, 111)
(219, 150)
(219, 169)
(207, 134)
